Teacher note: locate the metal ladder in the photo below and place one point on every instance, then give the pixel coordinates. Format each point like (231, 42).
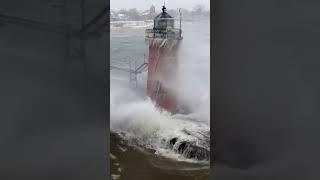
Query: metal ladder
(137, 70)
(133, 73)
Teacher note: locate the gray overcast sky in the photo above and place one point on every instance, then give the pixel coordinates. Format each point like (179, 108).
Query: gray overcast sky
(145, 4)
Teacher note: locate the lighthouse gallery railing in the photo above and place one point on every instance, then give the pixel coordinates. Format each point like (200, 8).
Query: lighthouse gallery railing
(172, 33)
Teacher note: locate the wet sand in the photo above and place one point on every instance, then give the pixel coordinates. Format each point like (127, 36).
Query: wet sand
(133, 162)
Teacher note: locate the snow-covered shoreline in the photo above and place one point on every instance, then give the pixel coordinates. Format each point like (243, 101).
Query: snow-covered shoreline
(131, 24)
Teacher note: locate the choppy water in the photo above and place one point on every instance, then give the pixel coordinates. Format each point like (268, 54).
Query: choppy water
(141, 134)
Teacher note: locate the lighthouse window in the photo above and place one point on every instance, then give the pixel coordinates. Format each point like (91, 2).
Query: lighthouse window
(163, 24)
(170, 23)
(166, 23)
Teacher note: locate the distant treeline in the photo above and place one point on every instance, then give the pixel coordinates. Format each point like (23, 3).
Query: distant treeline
(136, 15)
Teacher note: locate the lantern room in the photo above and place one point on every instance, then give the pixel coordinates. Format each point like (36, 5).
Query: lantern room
(164, 27)
(163, 20)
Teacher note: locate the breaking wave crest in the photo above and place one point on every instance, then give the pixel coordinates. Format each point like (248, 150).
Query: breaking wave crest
(139, 122)
(181, 137)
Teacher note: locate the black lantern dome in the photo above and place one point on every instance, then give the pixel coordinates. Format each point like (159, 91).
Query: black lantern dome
(163, 20)
(163, 27)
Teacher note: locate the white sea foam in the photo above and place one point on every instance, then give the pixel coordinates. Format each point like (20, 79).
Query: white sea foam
(137, 119)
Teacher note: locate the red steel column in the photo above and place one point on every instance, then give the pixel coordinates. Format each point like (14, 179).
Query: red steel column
(162, 68)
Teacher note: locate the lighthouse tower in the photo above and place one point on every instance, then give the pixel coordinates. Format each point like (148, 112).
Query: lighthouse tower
(163, 40)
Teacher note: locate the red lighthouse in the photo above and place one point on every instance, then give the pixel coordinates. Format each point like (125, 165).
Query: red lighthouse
(164, 40)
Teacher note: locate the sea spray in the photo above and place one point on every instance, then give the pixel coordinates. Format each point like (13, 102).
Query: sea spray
(139, 121)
